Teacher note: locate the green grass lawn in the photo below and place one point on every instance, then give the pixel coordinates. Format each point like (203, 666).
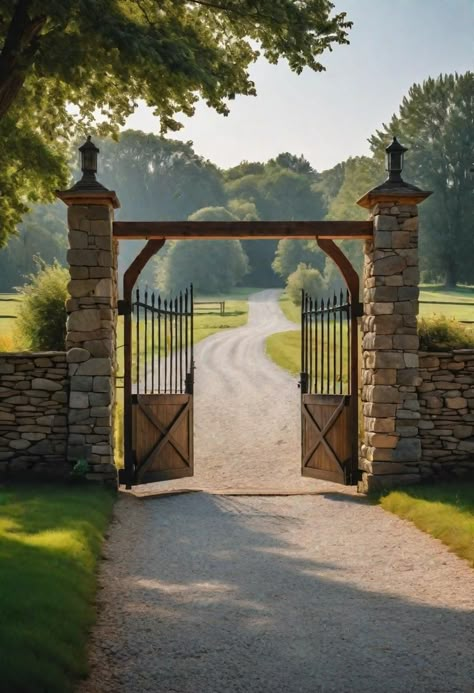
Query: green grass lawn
(446, 511)
(50, 541)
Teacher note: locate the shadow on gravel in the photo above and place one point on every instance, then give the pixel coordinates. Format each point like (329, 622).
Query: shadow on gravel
(214, 596)
(344, 497)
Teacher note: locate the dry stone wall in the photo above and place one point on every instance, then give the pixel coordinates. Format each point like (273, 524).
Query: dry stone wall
(446, 424)
(34, 393)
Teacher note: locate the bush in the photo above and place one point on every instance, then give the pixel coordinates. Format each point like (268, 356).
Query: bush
(440, 333)
(306, 278)
(42, 315)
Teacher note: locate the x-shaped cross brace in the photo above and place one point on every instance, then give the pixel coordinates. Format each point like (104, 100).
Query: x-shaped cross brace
(165, 432)
(322, 432)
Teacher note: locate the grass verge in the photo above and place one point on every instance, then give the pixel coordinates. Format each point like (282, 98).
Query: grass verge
(284, 348)
(50, 540)
(446, 511)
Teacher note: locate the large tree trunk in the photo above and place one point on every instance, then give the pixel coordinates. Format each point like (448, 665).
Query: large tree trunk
(18, 53)
(451, 273)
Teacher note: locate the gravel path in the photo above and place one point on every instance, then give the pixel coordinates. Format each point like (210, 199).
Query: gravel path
(206, 593)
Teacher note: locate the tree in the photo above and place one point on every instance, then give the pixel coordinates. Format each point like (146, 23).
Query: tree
(211, 266)
(42, 234)
(436, 122)
(103, 56)
(290, 253)
(306, 278)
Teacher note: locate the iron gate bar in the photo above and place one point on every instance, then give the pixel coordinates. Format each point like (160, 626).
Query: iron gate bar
(320, 346)
(169, 318)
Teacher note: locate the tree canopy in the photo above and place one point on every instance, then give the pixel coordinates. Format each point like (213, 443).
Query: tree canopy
(64, 61)
(436, 122)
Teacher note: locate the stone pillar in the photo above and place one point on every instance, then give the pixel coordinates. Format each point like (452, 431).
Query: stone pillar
(91, 328)
(391, 445)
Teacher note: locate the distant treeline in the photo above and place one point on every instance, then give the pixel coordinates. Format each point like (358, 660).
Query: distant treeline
(163, 179)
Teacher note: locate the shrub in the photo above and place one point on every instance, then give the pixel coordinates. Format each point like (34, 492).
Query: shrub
(306, 278)
(440, 333)
(42, 316)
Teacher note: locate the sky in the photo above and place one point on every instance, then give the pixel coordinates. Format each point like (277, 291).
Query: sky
(328, 116)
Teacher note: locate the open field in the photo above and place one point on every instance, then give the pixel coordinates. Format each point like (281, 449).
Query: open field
(50, 541)
(446, 511)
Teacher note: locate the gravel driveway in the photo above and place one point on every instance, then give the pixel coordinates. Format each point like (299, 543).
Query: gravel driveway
(318, 592)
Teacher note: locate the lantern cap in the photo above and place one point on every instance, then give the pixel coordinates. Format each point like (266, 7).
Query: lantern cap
(395, 146)
(88, 145)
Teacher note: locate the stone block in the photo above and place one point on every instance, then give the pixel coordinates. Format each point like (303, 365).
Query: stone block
(77, 355)
(78, 239)
(383, 359)
(77, 272)
(383, 222)
(85, 320)
(83, 257)
(384, 376)
(45, 384)
(382, 394)
(96, 366)
(411, 360)
(99, 347)
(82, 287)
(393, 264)
(456, 402)
(408, 293)
(462, 431)
(404, 342)
(99, 399)
(410, 224)
(377, 409)
(78, 400)
(408, 450)
(382, 440)
(20, 444)
(400, 239)
(102, 384)
(81, 383)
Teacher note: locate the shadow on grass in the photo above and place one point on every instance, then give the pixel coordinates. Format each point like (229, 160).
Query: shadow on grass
(50, 538)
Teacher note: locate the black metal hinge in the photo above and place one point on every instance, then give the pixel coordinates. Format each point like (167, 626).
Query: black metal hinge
(123, 307)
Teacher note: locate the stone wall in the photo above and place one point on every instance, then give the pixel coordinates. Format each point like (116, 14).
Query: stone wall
(34, 393)
(446, 425)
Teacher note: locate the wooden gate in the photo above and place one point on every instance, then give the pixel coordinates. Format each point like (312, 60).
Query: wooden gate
(159, 416)
(329, 389)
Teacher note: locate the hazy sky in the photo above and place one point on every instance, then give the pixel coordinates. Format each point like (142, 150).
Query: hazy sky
(329, 116)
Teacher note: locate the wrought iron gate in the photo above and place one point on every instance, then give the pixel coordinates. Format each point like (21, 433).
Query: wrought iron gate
(159, 415)
(329, 388)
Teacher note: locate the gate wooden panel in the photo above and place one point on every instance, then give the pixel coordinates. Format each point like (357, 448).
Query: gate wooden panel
(329, 392)
(163, 436)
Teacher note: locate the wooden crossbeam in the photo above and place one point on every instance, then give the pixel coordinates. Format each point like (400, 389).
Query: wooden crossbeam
(221, 230)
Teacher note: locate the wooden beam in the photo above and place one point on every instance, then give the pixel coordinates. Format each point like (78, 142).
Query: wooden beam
(220, 230)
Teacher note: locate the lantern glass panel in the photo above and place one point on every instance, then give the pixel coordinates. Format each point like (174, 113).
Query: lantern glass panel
(89, 161)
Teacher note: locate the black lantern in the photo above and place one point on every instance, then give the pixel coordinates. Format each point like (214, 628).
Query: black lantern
(88, 160)
(394, 161)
